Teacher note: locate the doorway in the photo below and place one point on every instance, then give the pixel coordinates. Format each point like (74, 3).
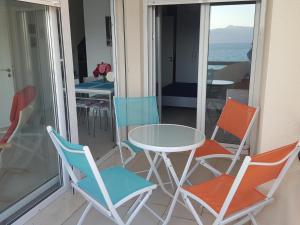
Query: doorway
(93, 60)
(219, 41)
(179, 63)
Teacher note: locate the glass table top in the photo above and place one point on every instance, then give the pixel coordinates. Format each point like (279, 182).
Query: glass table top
(166, 137)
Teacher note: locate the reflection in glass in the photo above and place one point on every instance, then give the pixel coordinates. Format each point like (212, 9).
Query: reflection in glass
(229, 60)
(28, 163)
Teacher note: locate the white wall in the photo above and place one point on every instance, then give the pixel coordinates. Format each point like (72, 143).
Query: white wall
(95, 33)
(187, 43)
(279, 122)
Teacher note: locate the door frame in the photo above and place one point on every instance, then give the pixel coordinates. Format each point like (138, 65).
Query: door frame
(257, 53)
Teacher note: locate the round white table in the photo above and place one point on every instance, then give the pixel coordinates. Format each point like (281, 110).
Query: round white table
(163, 139)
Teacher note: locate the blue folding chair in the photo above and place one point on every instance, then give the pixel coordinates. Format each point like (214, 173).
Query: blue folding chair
(105, 190)
(133, 111)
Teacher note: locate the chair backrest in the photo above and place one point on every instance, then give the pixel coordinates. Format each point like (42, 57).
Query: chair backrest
(21, 110)
(136, 111)
(260, 169)
(267, 166)
(79, 157)
(236, 118)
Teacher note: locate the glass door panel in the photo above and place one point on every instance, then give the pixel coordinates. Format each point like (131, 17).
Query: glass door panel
(229, 61)
(29, 166)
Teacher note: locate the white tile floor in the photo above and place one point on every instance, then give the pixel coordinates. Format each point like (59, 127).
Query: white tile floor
(68, 209)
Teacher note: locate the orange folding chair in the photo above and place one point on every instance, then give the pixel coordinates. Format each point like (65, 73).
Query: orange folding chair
(231, 198)
(236, 119)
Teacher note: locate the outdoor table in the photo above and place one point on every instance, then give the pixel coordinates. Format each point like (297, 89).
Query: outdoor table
(163, 139)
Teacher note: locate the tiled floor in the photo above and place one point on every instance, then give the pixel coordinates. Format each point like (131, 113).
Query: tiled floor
(68, 209)
(100, 143)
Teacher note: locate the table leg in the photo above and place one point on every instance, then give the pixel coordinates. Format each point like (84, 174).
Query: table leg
(153, 169)
(178, 181)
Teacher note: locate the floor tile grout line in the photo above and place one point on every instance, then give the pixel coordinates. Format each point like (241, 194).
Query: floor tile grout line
(74, 213)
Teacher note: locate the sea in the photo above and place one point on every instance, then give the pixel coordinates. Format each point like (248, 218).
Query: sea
(228, 52)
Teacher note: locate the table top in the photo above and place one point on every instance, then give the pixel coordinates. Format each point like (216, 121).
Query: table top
(97, 84)
(166, 137)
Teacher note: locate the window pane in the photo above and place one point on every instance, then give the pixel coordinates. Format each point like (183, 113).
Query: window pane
(28, 161)
(229, 60)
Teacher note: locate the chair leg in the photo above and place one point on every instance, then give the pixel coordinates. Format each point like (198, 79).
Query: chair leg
(212, 169)
(87, 117)
(106, 119)
(169, 174)
(84, 214)
(193, 211)
(192, 171)
(94, 121)
(100, 119)
(134, 205)
(253, 220)
(133, 215)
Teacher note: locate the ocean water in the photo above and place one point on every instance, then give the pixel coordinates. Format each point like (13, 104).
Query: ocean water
(228, 52)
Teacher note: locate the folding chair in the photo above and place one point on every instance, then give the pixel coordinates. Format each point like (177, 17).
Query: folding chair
(105, 190)
(236, 119)
(22, 108)
(135, 111)
(238, 198)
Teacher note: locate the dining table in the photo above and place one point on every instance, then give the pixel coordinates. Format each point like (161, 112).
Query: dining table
(163, 140)
(99, 87)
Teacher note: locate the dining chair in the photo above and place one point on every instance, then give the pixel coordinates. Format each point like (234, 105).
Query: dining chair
(104, 190)
(237, 119)
(241, 197)
(100, 109)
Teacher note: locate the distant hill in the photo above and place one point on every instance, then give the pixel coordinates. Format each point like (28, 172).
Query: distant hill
(231, 34)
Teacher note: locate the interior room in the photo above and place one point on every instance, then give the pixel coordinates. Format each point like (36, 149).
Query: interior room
(179, 63)
(91, 36)
(228, 62)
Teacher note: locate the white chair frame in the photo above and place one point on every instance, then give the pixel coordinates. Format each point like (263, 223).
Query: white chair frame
(247, 214)
(111, 210)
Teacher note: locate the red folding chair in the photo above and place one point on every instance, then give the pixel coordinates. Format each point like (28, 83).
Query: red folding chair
(21, 111)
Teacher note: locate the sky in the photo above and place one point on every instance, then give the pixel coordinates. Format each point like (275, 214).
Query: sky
(236, 15)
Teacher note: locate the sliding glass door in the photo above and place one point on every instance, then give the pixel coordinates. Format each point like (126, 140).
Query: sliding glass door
(231, 28)
(197, 55)
(29, 166)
